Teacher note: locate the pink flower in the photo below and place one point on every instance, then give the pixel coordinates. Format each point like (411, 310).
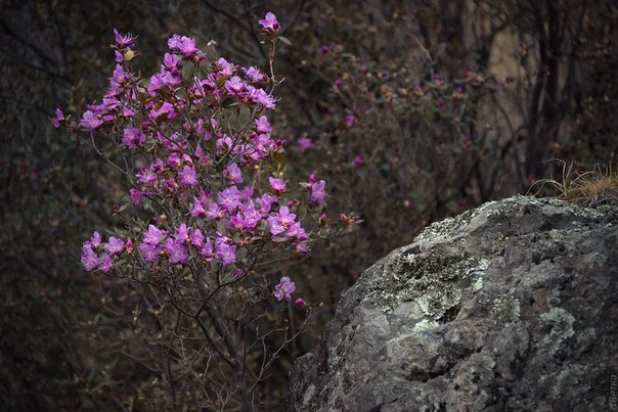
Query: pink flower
(153, 236)
(128, 40)
(235, 86)
(251, 216)
(230, 198)
(171, 61)
(278, 185)
(196, 238)
(358, 161)
(227, 253)
(136, 196)
(227, 69)
(281, 221)
(232, 173)
(188, 176)
(259, 96)
(106, 264)
(91, 121)
(198, 208)
(253, 74)
(182, 233)
(133, 138)
(184, 45)
(317, 192)
(284, 289)
(349, 120)
(207, 251)
(262, 125)
(266, 202)
(129, 245)
(165, 112)
(300, 302)
(59, 119)
(114, 245)
(269, 23)
(297, 233)
(89, 259)
(177, 251)
(150, 253)
(94, 241)
(305, 143)
(146, 176)
(214, 212)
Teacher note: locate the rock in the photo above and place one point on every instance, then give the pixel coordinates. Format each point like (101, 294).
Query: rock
(512, 306)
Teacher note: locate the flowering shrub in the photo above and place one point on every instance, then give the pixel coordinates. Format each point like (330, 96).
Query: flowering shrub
(210, 199)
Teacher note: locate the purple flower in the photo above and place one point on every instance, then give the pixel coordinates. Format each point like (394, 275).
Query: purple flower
(235, 86)
(128, 40)
(269, 23)
(171, 61)
(153, 236)
(278, 185)
(207, 251)
(296, 232)
(284, 289)
(257, 95)
(251, 216)
(262, 125)
(253, 74)
(349, 120)
(91, 121)
(89, 259)
(300, 302)
(136, 196)
(238, 221)
(188, 176)
(150, 253)
(282, 221)
(232, 173)
(227, 68)
(266, 202)
(317, 192)
(56, 121)
(177, 251)
(214, 212)
(114, 245)
(133, 138)
(166, 111)
(146, 176)
(196, 238)
(358, 161)
(106, 264)
(173, 160)
(182, 233)
(305, 143)
(94, 241)
(230, 198)
(227, 253)
(184, 45)
(198, 208)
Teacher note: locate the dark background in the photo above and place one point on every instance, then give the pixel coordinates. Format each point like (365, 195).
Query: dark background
(454, 104)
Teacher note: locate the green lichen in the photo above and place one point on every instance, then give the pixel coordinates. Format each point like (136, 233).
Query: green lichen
(561, 324)
(429, 280)
(506, 310)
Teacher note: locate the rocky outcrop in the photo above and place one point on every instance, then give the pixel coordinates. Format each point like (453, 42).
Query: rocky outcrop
(512, 306)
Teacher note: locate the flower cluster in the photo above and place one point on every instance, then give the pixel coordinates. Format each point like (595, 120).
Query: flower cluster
(198, 165)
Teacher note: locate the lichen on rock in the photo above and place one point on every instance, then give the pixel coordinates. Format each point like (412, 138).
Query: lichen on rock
(510, 306)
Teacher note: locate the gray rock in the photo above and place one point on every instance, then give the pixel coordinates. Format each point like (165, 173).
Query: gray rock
(508, 307)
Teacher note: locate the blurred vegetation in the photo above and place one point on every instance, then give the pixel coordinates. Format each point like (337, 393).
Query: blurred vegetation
(417, 110)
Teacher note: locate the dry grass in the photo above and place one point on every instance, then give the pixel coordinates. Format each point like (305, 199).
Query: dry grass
(586, 189)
